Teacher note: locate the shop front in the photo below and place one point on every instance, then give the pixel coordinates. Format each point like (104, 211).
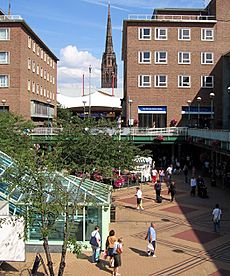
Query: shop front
(152, 116)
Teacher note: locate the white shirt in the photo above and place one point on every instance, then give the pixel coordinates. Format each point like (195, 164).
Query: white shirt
(169, 170)
(139, 194)
(154, 172)
(193, 182)
(216, 213)
(96, 234)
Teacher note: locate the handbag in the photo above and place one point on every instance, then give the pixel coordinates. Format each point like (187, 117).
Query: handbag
(105, 254)
(119, 250)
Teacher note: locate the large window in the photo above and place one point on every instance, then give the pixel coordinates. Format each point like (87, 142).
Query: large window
(4, 34)
(184, 34)
(184, 57)
(144, 57)
(4, 81)
(161, 34)
(207, 58)
(161, 57)
(4, 57)
(144, 33)
(207, 81)
(207, 34)
(160, 81)
(184, 81)
(144, 81)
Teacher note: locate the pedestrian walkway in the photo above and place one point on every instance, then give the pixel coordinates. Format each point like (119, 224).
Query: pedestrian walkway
(186, 243)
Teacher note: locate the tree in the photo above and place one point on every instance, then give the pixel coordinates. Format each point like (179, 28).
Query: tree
(83, 145)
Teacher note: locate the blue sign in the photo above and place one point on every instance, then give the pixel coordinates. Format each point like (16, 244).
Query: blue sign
(152, 109)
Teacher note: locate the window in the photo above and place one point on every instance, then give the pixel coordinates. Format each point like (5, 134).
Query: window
(4, 81)
(184, 58)
(161, 34)
(51, 62)
(144, 33)
(53, 65)
(44, 74)
(53, 80)
(207, 58)
(38, 50)
(48, 60)
(29, 42)
(41, 54)
(184, 81)
(145, 57)
(33, 66)
(207, 34)
(41, 91)
(44, 56)
(161, 81)
(47, 93)
(144, 81)
(37, 69)
(4, 57)
(207, 81)
(161, 57)
(44, 92)
(4, 34)
(41, 72)
(34, 46)
(33, 87)
(48, 76)
(29, 63)
(37, 88)
(184, 34)
(28, 85)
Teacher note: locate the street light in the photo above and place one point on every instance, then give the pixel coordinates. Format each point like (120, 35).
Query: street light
(84, 102)
(212, 96)
(189, 112)
(198, 110)
(3, 103)
(130, 107)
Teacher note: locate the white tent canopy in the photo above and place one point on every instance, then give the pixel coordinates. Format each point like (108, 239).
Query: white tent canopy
(97, 99)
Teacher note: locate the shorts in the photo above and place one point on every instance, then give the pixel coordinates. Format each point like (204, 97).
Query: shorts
(138, 201)
(117, 260)
(110, 252)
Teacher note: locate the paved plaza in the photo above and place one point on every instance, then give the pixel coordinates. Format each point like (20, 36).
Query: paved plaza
(186, 243)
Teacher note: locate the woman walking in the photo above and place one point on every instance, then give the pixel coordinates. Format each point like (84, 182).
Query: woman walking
(117, 250)
(111, 239)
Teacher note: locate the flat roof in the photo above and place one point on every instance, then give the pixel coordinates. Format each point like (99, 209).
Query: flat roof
(180, 9)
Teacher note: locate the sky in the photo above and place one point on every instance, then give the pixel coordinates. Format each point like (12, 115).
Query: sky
(75, 31)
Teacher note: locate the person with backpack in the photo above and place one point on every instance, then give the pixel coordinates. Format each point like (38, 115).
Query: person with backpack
(158, 191)
(95, 241)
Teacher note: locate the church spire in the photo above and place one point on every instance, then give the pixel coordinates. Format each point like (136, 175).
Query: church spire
(108, 64)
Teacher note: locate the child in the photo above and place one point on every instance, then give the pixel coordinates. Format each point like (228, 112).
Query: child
(117, 250)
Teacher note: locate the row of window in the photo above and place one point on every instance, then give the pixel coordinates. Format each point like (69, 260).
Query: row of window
(145, 33)
(161, 57)
(39, 70)
(184, 81)
(40, 52)
(38, 89)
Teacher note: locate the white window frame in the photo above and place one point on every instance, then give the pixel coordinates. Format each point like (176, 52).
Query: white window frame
(6, 81)
(53, 80)
(38, 50)
(29, 42)
(7, 57)
(182, 36)
(48, 76)
(159, 36)
(44, 92)
(182, 83)
(142, 36)
(205, 59)
(204, 36)
(29, 63)
(142, 59)
(53, 65)
(159, 83)
(44, 74)
(142, 82)
(41, 54)
(41, 72)
(204, 82)
(38, 69)
(34, 47)
(37, 88)
(44, 56)
(33, 87)
(41, 90)
(159, 59)
(182, 59)
(28, 85)
(33, 66)
(7, 34)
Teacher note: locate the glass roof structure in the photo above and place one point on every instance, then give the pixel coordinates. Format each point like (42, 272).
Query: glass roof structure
(84, 192)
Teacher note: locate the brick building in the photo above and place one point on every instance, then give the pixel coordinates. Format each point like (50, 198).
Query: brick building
(28, 71)
(176, 67)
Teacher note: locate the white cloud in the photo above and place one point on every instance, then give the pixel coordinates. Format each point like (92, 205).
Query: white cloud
(72, 66)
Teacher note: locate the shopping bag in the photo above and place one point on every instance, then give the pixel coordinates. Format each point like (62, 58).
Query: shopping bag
(150, 247)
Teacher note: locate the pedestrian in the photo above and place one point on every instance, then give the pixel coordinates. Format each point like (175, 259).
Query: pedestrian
(157, 187)
(185, 171)
(139, 198)
(193, 186)
(117, 250)
(161, 174)
(151, 237)
(169, 172)
(172, 190)
(95, 241)
(110, 241)
(216, 215)
(154, 175)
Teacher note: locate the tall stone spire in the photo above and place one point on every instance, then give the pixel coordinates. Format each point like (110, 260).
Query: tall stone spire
(108, 64)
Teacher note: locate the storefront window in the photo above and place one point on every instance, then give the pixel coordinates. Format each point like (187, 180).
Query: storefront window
(92, 219)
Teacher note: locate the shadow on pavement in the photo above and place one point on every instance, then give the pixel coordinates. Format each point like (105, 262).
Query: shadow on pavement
(138, 251)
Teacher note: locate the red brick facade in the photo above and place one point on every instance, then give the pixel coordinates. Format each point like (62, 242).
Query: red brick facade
(215, 18)
(32, 73)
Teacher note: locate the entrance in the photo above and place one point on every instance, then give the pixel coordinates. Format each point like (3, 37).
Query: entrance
(152, 116)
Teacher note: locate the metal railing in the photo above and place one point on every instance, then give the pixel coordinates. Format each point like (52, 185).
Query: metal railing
(169, 17)
(46, 131)
(167, 131)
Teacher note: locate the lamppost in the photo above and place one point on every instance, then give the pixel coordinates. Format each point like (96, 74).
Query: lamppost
(189, 112)
(212, 96)
(198, 110)
(3, 104)
(84, 102)
(130, 107)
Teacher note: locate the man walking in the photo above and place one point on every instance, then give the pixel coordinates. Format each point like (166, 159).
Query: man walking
(151, 237)
(216, 214)
(139, 198)
(95, 242)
